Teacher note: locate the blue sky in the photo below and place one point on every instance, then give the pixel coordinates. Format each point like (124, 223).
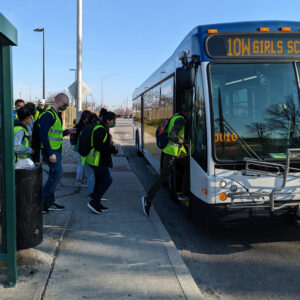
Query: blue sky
(128, 38)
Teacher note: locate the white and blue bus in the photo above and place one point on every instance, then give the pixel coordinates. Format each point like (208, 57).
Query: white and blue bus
(241, 83)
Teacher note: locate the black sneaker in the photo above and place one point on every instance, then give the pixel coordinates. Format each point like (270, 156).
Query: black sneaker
(146, 206)
(94, 207)
(45, 209)
(55, 206)
(90, 197)
(103, 208)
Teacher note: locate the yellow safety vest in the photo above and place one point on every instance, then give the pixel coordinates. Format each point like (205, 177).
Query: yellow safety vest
(38, 113)
(25, 143)
(93, 158)
(55, 133)
(172, 148)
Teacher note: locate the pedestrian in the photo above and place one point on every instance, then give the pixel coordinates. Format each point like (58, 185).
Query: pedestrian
(32, 108)
(93, 120)
(175, 150)
(100, 160)
(103, 111)
(21, 141)
(75, 139)
(40, 108)
(18, 104)
(51, 135)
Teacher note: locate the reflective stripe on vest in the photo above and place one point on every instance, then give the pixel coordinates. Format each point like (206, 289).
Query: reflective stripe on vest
(55, 133)
(25, 143)
(93, 158)
(172, 148)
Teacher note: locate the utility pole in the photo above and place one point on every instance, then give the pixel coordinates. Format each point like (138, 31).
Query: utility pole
(79, 59)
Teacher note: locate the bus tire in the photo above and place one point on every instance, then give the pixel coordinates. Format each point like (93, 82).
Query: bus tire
(137, 143)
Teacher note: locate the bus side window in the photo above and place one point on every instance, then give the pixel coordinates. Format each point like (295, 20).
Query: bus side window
(199, 136)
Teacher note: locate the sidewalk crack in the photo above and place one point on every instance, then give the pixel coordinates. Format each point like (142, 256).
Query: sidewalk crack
(56, 250)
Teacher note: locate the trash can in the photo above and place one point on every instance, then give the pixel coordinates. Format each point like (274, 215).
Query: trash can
(29, 207)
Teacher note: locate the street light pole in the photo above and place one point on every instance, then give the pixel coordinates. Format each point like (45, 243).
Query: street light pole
(79, 59)
(42, 30)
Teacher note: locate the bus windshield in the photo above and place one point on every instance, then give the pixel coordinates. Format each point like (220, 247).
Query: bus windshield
(255, 109)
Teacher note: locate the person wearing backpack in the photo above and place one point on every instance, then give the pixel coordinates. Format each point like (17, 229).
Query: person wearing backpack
(21, 141)
(99, 158)
(36, 141)
(51, 135)
(173, 150)
(74, 139)
(92, 121)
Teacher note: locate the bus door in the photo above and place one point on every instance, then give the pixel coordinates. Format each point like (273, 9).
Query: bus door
(183, 100)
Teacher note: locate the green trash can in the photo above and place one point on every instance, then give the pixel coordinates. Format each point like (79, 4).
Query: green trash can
(29, 207)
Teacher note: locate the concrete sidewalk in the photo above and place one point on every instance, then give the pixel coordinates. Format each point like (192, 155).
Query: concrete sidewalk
(120, 254)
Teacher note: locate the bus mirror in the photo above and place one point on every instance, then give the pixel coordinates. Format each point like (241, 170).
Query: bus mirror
(185, 78)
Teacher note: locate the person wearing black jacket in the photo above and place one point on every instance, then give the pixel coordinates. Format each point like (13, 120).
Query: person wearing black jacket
(100, 160)
(74, 141)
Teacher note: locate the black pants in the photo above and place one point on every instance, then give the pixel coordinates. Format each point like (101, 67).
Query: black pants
(167, 166)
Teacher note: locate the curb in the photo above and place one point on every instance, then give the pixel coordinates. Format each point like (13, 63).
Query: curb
(186, 281)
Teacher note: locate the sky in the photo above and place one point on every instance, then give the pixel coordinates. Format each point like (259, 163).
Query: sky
(127, 39)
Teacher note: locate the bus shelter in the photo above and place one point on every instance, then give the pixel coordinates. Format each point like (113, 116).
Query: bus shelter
(8, 38)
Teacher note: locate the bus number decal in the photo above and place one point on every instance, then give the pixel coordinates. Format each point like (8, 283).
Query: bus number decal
(226, 137)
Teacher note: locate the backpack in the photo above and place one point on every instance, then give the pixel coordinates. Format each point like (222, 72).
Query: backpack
(162, 138)
(85, 138)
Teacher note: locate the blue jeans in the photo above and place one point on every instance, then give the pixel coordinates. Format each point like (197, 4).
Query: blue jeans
(80, 168)
(103, 180)
(55, 174)
(90, 177)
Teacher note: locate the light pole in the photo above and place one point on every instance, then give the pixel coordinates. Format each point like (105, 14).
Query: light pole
(102, 88)
(79, 61)
(42, 30)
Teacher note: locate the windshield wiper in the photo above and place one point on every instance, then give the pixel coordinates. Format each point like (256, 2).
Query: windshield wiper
(225, 125)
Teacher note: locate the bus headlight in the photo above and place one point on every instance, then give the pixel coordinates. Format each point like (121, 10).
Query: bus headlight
(223, 184)
(233, 188)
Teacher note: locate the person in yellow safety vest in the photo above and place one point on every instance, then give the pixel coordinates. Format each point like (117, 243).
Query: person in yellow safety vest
(40, 108)
(21, 142)
(175, 150)
(18, 104)
(51, 134)
(100, 160)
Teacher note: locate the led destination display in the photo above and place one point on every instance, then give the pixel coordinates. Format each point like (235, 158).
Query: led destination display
(253, 46)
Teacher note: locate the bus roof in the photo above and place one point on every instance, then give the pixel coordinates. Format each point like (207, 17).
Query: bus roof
(170, 65)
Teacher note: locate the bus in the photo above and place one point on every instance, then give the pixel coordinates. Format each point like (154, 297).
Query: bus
(240, 82)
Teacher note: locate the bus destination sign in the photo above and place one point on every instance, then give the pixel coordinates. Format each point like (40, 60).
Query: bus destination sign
(255, 45)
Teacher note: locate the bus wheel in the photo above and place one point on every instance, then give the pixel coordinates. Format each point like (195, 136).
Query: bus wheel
(137, 144)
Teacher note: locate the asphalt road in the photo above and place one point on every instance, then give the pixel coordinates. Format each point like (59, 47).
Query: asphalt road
(243, 262)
